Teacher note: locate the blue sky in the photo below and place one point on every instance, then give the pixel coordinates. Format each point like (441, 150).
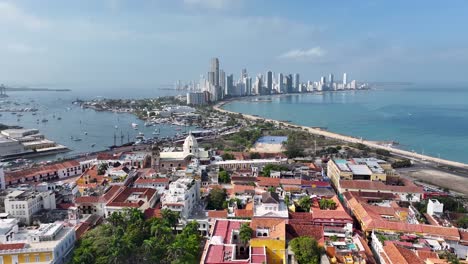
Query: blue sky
(119, 43)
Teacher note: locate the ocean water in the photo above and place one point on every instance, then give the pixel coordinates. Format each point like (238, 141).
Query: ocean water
(429, 119)
(100, 126)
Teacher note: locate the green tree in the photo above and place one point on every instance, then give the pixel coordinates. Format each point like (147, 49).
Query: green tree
(255, 155)
(245, 233)
(187, 245)
(306, 250)
(102, 168)
(463, 222)
(228, 156)
(224, 177)
(216, 199)
(305, 203)
(266, 171)
(171, 217)
(326, 204)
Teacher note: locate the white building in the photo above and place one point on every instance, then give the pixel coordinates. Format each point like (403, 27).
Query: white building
(23, 204)
(10, 146)
(269, 205)
(183, 195)
(48, 243)
(435, 207)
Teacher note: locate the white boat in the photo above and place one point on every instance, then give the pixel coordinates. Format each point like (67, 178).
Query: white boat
(134, 125)
(147, 124)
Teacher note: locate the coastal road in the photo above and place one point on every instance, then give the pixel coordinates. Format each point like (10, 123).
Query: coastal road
(371, 144)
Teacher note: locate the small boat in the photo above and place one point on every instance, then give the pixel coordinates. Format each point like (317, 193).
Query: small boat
(178, 129)
(134, 125)
(44, 120)
(86, 133)
(147, 124)
(34, 113)
(92, 145)
(116, 127)
(77, 139)
(59, 118)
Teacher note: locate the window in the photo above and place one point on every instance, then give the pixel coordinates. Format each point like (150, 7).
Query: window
(47, 257)
(26, 258)
(36, 258)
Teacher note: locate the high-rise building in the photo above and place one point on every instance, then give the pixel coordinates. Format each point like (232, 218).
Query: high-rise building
(323, 80)
(215, 70)
(289, 83)
(258, 85)
(248, 85)
(222, 83)
(331, 79)
(269, 81)
(297, 87)
(211, 77)
(244, 73)
(280, 83)
(230, 85)
(345, 79)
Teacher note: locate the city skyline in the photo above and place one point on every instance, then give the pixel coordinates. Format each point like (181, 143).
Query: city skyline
(121, 43)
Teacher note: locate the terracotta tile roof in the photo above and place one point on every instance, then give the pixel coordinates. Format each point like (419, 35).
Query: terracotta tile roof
(217, 214)
(296, 182)
(243, 179)
(36, 171)
(297, 230)
(82, 228)
(377, 185)
(315, 184)
(64, 206)
(425, 254)
(153, 213)
(267, 181)
(87, 199)
(370, 220)
(332, 214)
(121, 199)
(277, 227)
(301, 217)
(243, 213)
(241, 189)
(12, 246)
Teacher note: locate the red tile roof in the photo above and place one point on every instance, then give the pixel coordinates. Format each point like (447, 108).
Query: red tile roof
(297, 230)
(380, 186)
(296, 182)
(243, 213)
(267, 181)
(36, 171)
(153, 213)
(152, 180)
(315, 184)
(121, 199)
(12, 246)
(241, 189)
(217, 214)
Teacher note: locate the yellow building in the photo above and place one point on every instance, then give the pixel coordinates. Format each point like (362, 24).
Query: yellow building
(48, 243)
(271, 234)
(358, 169)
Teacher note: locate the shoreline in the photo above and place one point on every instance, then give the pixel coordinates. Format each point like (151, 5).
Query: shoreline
(345, 138)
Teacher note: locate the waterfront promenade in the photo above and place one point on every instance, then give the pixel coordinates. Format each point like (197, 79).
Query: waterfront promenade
(371, 144)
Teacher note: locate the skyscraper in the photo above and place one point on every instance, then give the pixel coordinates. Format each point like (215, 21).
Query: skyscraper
(323, 80)
(345, 79)
(248, 85)
(296, 83)
(269, 81)
(331, 78)
(289, 83)
(280, 83)
(243, 73)
(222, 83)
(215, 70)
(230, 85)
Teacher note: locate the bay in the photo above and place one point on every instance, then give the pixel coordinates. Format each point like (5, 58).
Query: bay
(425, 118)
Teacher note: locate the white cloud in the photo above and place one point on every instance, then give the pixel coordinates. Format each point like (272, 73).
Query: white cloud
(304, 54)
(212, 4)
(12, 15)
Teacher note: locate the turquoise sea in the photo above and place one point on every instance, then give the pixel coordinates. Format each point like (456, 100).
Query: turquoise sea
(429, 119)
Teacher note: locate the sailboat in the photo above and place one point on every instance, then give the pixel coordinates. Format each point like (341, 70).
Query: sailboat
(156, 131)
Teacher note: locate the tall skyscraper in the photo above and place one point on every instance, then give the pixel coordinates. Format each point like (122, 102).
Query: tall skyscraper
(258, 85)
(280, 83)
(296, 83)
(345, 79)
(222, 83)
(230, 85)
(323, 80)
(244, 73)
(215, 70)
(269, 81)
(289, 83)
(211, 78)
(331, 78)
(248, 85)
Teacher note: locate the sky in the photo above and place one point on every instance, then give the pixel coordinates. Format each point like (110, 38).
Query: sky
(148, 43)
